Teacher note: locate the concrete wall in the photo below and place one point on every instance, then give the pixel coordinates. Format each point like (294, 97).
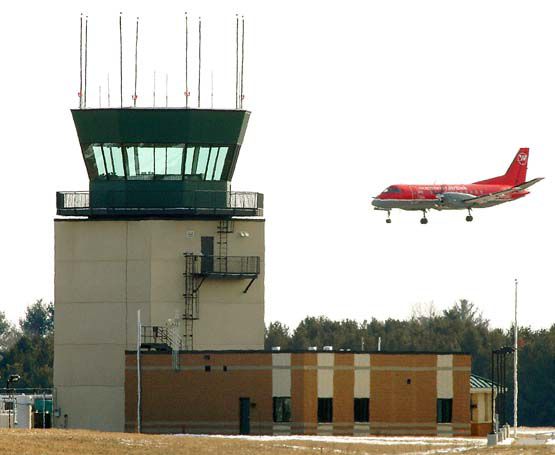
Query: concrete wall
(403, 391)
(105, 271)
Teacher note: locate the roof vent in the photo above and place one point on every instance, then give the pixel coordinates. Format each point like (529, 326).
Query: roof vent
(328, 348)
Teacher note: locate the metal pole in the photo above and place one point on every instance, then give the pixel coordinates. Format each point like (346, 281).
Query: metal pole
(242, 58)
(81, 65)
(492, 391)
(108, 80)
(138, 371)
(120, 64)
(86, 59)
(199, 56)
(136, 46)
(515, 367)
(43, 410)
(504, 388)
(186, 60)
(236, 61)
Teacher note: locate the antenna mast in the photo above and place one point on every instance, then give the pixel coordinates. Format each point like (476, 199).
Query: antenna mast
(166, 89)
(154, 90)
(80, 94)
(120, 64)
(236, 61)
(199, 56)
(108, 80)
(136, 46)
(86, 48)
(242, 57)
(100, 96)
(186, 60)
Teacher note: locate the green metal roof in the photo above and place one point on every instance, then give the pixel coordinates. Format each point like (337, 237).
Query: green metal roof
(479, 382)
(160, 126)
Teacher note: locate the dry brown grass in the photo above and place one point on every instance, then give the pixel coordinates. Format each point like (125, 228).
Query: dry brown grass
(46, 442)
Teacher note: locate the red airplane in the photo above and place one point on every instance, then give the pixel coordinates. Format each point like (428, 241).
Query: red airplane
(485, 193)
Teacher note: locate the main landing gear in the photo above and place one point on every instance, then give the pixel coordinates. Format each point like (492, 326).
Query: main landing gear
(469, 217)
(424, 220)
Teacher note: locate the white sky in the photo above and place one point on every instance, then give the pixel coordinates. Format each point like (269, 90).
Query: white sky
(346, 98)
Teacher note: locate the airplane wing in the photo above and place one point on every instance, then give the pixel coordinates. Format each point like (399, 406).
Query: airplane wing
(499, 195)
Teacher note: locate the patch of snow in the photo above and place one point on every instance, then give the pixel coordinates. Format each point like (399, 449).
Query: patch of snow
(372, 440)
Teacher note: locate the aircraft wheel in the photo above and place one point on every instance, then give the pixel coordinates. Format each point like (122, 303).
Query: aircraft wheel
(469, 218)
(424, 221)
(388, 221)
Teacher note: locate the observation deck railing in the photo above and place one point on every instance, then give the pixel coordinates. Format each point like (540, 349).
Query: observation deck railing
(160, 203)
(228, 266)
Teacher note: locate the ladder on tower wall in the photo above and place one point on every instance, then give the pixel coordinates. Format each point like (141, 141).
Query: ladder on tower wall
(191, 313)
(225, 227)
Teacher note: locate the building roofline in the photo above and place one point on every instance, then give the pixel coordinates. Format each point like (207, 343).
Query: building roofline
(299, 351)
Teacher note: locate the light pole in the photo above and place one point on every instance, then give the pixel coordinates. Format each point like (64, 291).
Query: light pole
(11, 379)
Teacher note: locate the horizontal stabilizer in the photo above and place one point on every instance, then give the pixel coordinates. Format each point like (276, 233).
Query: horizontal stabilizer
(499, 195)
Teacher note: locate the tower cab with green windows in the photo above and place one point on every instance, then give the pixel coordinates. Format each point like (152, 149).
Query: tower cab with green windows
(160, 162)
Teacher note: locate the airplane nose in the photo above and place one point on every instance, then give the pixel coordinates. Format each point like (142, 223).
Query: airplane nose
(376, 202)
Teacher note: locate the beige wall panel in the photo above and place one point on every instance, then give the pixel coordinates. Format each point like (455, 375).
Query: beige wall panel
(95, 408)
(89, 282)
(445, 376)
(230, 326)
(167, 283)
(138, 240)
(362, 375)
(88, 241)
(325, 375)
(89, 323)
(138, 281)
(92, 365)
(281, 375)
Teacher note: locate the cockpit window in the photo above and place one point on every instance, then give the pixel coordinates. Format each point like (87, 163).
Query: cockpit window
(393, 189)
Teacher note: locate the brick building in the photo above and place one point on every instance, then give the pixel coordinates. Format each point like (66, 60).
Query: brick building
(325, 393)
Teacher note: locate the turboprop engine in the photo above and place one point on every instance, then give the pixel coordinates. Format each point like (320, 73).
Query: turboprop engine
(454, 200)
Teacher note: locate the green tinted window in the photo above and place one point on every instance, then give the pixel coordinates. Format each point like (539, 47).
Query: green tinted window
(174, 158)
(132, 162)
(211, 163)
(220, 161)
(202, 161)
(117, 160)
(146, 161)
(160, 160)
(190, 156)
(108, 161)
(94, 159)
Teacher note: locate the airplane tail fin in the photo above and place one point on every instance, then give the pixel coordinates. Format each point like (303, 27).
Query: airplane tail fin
(516, 174)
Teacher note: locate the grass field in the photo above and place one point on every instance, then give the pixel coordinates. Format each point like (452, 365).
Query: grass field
(38, 442)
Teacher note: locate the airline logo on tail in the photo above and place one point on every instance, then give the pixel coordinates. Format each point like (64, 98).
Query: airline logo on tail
(522, 158)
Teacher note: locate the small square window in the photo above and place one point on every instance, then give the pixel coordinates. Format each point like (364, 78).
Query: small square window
(207, 368)
(282, 409)
(444, 410)
(362, 410)
(325, 410)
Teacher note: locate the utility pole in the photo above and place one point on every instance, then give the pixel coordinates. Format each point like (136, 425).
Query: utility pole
(515, 368)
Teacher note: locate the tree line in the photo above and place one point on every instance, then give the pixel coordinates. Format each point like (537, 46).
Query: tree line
(27, 348)
(460, 328)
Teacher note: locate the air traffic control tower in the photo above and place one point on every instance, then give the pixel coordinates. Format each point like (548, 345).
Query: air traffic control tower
(159, 231)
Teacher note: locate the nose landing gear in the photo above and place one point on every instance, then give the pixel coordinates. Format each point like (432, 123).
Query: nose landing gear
(469, 217)
(388, 220)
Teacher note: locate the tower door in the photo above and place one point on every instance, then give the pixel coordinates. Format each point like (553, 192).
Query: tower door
(244, 415)
(207, 250)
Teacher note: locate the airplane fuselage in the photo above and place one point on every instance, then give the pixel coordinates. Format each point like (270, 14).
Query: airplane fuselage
(425, 197)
